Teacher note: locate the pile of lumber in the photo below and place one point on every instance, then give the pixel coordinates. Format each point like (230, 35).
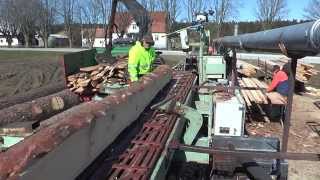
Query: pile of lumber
(313, 91)
(304, 71)
(252, 91)
(89, 79)
(247, 69)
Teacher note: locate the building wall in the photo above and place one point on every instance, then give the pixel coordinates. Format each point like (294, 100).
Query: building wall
(3, 42)
(160, 40)
(100, 42)
(133, 28)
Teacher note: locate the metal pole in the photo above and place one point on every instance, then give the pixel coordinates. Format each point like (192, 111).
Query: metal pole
(201, 73)
(109, 30)
(245, 154)
(285, 135)
(234, 68)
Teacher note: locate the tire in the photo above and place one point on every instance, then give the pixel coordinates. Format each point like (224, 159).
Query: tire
(193, 171)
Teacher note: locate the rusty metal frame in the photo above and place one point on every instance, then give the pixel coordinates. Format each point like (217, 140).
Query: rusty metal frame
(139, 160)
(245, 154)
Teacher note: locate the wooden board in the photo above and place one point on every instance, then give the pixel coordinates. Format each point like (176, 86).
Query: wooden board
(276, 98)
(90, 68)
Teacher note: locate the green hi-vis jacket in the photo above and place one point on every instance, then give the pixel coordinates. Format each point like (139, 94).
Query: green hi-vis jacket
(140, 61)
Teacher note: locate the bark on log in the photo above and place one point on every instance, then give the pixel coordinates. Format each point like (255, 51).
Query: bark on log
(33, 94)
(39, 109)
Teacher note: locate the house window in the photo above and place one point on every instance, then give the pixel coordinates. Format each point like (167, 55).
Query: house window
(134, 26)
(156, 37)
(1, 41)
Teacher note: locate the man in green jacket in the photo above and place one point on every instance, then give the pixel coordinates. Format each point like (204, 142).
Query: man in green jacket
(141, 58)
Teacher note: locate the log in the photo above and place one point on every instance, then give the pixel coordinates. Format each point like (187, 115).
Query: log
(90, 68)
(39, 109)
(84, 83)
(33, 94)
(19, 128)
(80, 90)
(87, 81)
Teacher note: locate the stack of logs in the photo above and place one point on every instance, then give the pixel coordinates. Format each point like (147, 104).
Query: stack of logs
(252, 91)
(304, 71)
(89, 79)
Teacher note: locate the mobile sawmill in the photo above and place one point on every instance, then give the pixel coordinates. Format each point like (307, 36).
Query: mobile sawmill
(171, 124)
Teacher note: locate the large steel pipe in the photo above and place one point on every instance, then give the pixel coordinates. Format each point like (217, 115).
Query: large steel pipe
(64, 149)
(298, 40)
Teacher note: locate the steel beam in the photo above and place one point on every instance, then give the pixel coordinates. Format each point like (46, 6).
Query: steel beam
(246, 154)
(64, 149)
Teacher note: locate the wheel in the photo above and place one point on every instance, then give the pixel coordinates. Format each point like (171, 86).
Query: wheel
(193, 171)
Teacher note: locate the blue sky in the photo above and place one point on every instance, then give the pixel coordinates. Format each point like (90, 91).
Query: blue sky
(247, 11)
(295, 9)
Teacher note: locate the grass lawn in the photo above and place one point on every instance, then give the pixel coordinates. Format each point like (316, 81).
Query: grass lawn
(29, 55)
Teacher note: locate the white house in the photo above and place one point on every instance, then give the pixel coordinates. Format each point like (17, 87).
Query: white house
(159, 28)
(4, 43)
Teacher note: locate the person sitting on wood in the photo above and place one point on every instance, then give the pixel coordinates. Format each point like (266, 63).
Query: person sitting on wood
(280, 84)
(141, 58)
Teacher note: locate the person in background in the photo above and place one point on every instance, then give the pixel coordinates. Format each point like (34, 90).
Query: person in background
(141, 58)
(280, 82)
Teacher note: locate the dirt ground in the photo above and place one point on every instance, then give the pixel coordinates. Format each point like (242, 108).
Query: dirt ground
(303, 138)
(23, 71)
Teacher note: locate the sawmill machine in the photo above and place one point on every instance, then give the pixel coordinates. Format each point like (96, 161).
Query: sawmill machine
(225, 147)
(210, 130)
(168, 125)
(198, 132)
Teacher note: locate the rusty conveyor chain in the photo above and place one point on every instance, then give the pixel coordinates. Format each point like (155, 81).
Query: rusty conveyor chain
(139, 159)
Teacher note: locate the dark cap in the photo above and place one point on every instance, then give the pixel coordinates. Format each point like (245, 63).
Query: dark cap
(148, 38)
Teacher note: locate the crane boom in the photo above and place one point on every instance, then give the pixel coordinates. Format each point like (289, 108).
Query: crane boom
(138, 12)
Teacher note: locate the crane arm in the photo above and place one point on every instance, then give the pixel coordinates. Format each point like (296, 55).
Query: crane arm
(138, 12)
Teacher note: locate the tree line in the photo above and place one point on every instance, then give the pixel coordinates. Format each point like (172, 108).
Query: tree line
(27, 19)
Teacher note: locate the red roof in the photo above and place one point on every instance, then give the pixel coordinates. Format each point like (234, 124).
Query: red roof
(100, 33)
(159, 21)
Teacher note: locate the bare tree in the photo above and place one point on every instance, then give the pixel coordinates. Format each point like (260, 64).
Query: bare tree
(69, 11)
(224, 10)
(194, 6)
(24, 15)
(313, 10)
(104, 7)
(7, 27)
(90, 16)
(151, 5)
(47, 16)
(270, 11)
(123, 20)
(172, 8)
